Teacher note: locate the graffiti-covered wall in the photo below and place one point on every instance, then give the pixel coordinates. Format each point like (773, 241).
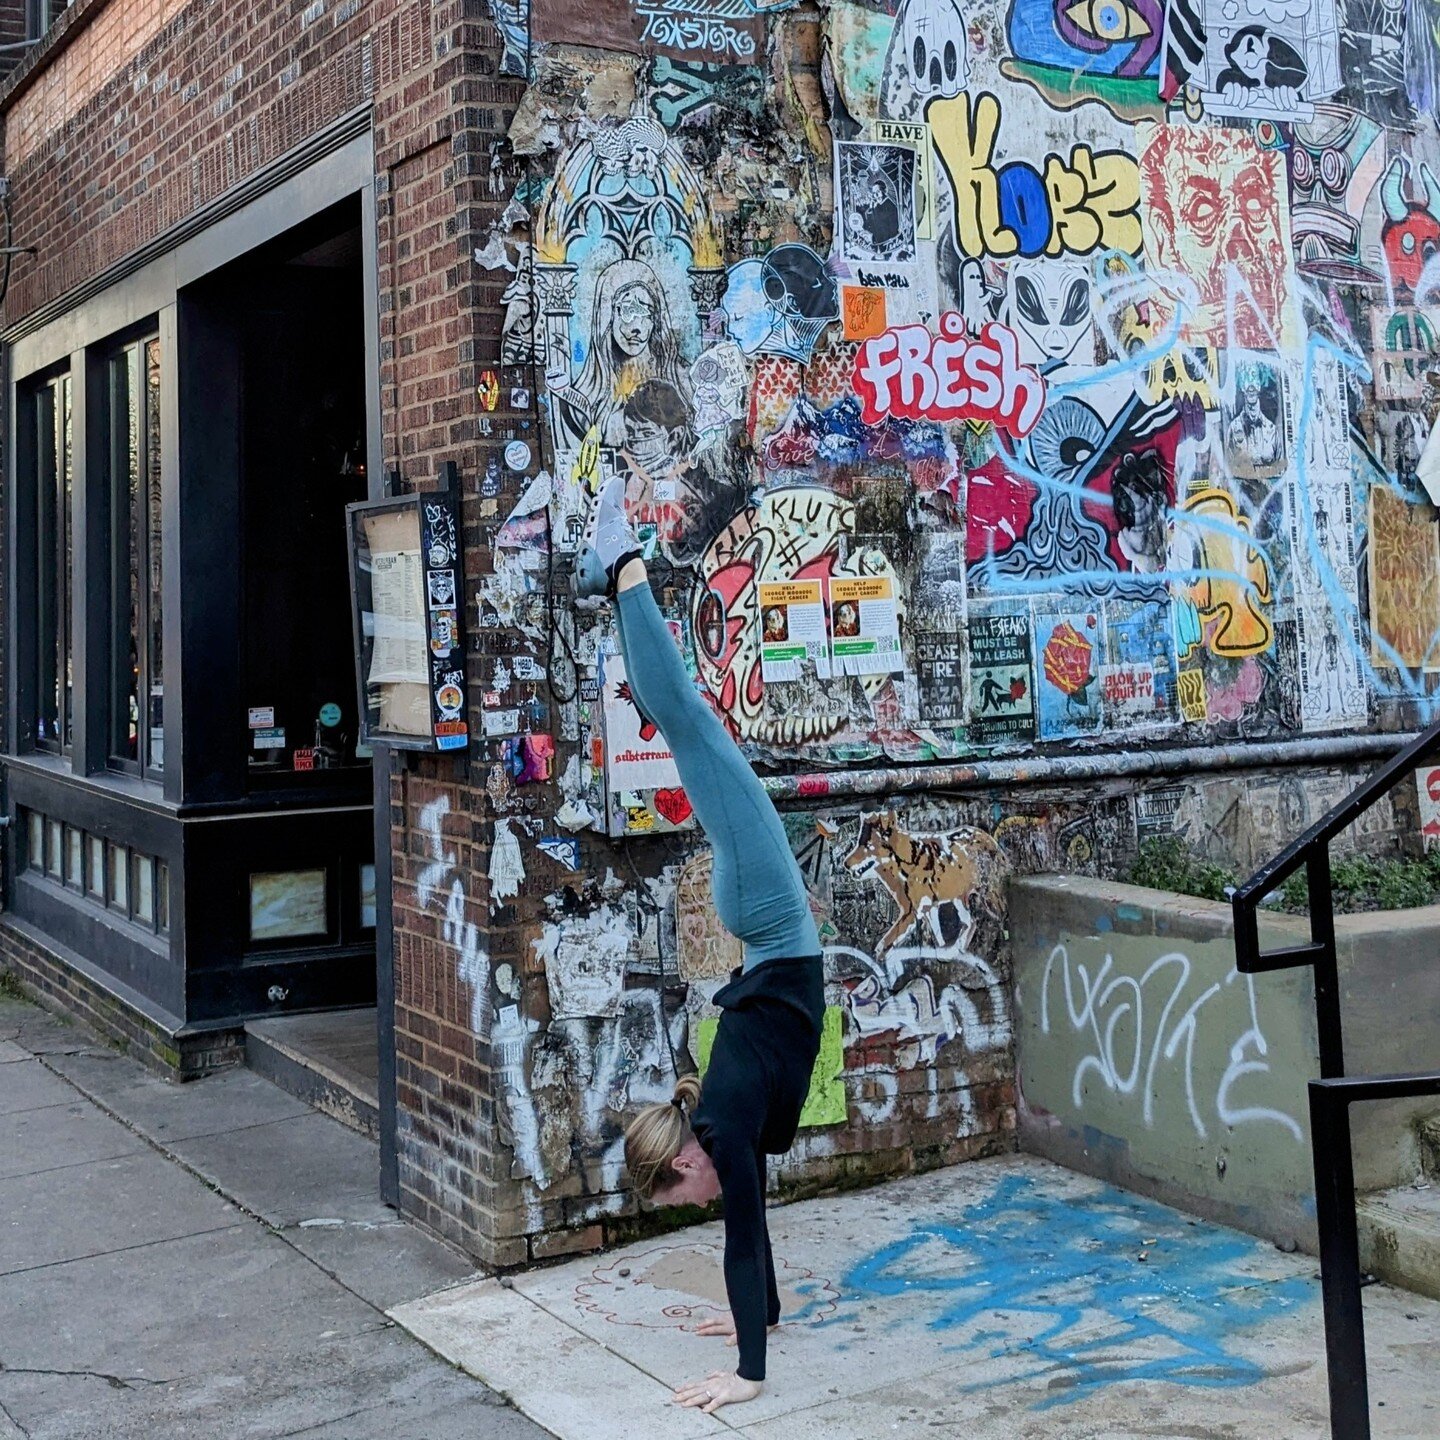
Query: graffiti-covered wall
(1035, 379)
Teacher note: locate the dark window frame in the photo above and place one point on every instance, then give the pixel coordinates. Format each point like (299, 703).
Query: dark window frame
(134, 607)
(46, 562)
(40, 15)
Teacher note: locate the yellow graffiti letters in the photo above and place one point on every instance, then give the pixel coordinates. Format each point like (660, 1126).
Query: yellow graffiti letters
(1233, 579)
(1071, 206)
(1190, 686)
(1094, 201)
(966, 143)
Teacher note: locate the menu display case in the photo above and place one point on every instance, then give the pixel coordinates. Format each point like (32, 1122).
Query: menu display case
(405, 577)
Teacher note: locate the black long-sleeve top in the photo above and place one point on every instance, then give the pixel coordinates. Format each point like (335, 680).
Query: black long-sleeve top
(755, 1089)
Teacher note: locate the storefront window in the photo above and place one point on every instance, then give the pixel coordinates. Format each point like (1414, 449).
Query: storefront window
(74, 857)
(54, 565)
(95, 881)
(120, 878)
(137, 733)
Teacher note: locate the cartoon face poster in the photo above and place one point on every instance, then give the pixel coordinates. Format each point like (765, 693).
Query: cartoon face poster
(1215, 213)
(1267, 59)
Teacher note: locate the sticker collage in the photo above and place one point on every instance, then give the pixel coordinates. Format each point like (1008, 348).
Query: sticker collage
(984, 379)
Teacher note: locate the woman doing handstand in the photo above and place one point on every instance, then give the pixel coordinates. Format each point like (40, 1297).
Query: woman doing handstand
(690, 1150)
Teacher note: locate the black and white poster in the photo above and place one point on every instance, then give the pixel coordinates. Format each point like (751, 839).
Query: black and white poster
(1002, 699)
(939, 661)
(1254, 422)
(1268, 59)
(937, 650)
(875, 187)
(1372, 59)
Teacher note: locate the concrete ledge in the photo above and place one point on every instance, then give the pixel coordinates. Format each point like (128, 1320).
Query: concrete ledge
(59, 980)
(310, 1057)
(1146, 1060)
(1400, 1238)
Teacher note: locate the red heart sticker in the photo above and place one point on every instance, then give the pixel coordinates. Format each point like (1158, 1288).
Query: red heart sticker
(674, 805)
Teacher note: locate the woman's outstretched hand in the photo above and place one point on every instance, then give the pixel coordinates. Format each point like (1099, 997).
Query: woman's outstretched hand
(724, 1326)
(716, 1390)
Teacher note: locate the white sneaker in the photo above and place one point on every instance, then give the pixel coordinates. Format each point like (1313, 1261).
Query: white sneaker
(606, 543)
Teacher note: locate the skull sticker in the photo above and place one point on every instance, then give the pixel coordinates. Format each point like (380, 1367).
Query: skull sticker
(928, 55)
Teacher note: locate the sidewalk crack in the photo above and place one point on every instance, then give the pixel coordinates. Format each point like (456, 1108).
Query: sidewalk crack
(115, 1382)
(11, 1418)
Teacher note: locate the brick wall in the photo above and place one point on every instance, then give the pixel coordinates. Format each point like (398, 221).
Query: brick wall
(509, 1116)
(52, 978)
(139, 112)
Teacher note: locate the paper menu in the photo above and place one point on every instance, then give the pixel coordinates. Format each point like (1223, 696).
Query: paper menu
(399, 655)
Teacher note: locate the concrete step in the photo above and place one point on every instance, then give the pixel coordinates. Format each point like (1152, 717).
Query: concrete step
(1428, 1132)
(1400, 1236)
(328, 1060)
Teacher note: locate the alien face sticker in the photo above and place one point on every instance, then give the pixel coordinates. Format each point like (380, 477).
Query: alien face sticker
(1048, 304)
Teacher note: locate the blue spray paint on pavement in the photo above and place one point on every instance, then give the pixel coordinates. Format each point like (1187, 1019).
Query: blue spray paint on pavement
(1053, 1283)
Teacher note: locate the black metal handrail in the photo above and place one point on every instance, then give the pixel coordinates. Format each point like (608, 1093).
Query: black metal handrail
(1332, 1095)
(1330, 1102)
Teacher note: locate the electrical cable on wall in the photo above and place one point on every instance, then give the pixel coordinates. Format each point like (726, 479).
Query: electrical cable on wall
(9, 249)
(642, 904)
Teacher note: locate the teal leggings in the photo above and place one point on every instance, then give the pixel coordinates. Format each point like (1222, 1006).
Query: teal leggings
(759, 892)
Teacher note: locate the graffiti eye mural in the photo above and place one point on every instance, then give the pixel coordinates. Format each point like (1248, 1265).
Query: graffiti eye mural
(1078, 51)
(1110, 21)
(1066, 439)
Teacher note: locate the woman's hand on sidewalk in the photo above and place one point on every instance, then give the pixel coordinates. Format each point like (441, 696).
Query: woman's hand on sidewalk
(724, 1325)
(716, 1390)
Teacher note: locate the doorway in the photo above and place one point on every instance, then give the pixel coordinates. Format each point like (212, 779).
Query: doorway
(303, 461)
(278, 403)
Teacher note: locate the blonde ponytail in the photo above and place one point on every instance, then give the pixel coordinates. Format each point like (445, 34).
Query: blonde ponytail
(657, 1135)
(687, 1093)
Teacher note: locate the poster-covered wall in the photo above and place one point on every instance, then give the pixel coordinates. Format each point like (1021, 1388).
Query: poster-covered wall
(1025, 380)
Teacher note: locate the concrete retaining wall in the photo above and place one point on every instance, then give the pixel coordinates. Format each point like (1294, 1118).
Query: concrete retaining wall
(1144, 1057)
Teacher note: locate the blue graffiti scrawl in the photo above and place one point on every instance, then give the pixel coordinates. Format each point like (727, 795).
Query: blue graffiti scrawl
(1054, 1283)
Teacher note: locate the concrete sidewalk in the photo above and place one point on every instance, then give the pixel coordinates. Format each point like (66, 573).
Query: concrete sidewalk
(997, 1299)
(206, 1260)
